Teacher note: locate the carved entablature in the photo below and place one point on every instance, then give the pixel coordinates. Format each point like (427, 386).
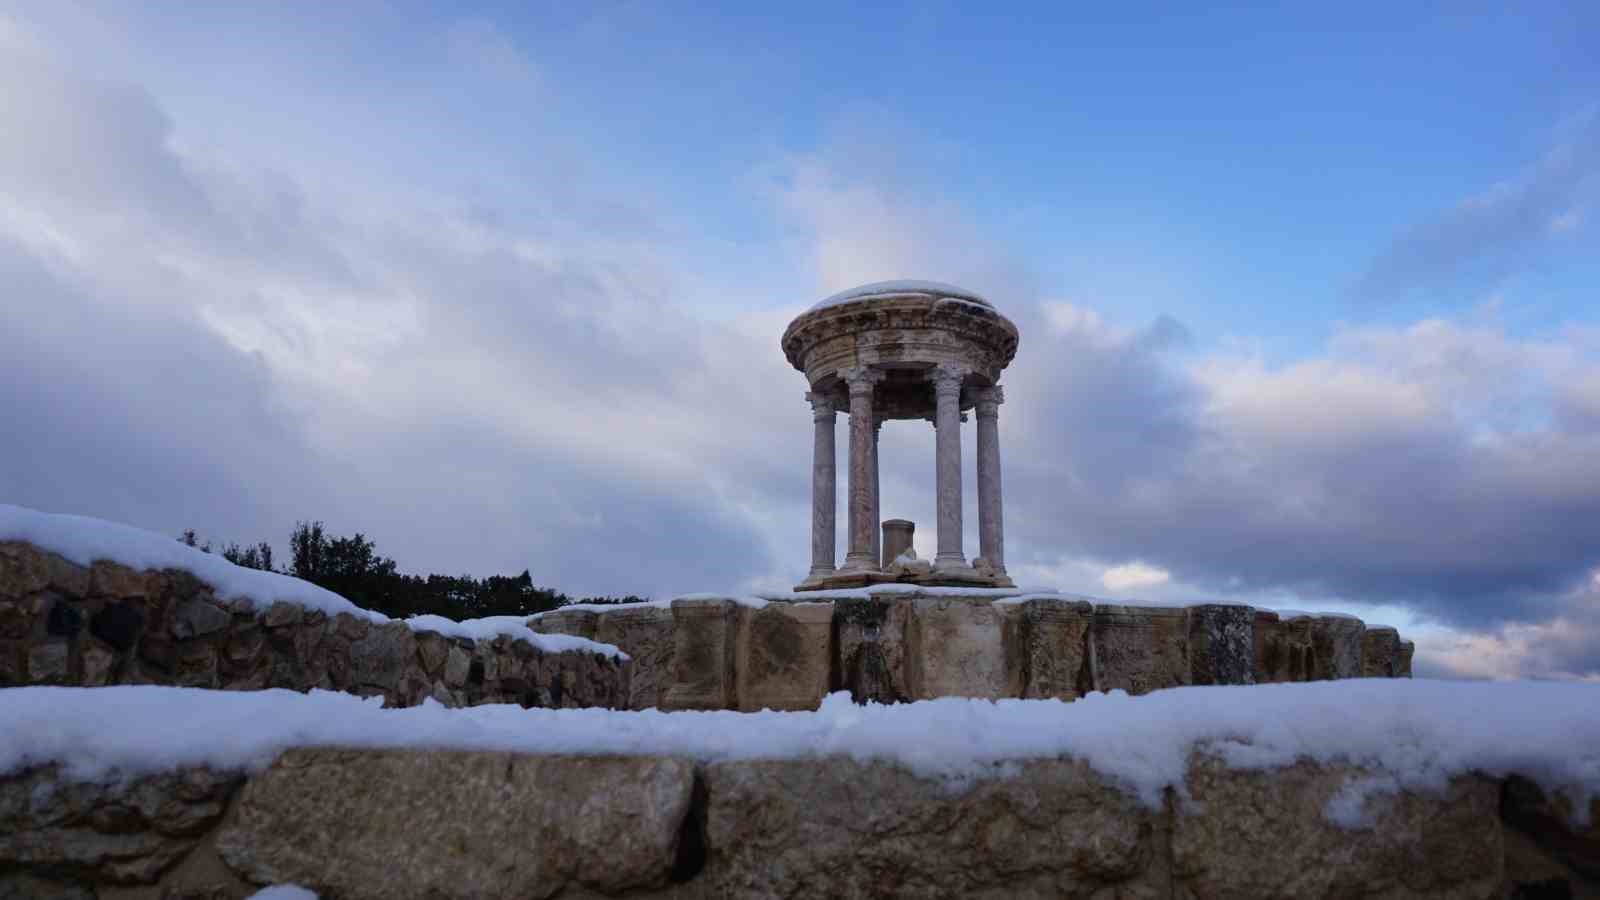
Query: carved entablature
(904, 334)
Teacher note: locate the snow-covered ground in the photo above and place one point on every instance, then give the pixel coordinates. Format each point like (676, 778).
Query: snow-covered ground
(1419, 733)
(83, 540)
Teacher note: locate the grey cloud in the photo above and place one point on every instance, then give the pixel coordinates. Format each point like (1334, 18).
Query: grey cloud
(1487, 233)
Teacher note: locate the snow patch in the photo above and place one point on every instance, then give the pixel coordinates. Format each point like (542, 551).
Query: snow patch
(1420, 733)
(903, 286)
(284, 892)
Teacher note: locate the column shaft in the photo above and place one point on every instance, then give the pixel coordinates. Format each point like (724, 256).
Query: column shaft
(877, 509)
(991, 528)
(861, 382)
(947, 451)
(824, 486)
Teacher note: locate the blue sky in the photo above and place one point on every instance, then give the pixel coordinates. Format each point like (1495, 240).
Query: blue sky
(1307, 293)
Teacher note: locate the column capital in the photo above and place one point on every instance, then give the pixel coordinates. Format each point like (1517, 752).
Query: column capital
(822, 408)
(861, 378)
(946, 378)
(988, 400)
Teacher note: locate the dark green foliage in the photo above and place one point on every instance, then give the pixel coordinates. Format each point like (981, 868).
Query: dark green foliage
(352, 566)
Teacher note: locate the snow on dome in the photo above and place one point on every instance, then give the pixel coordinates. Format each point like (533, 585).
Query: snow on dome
(904, 286)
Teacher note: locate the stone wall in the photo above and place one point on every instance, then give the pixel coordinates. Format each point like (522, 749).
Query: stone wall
(710, 653)
(393, 824)
(105, 624)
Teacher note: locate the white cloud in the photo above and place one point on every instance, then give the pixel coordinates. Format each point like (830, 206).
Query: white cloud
(1134, 575)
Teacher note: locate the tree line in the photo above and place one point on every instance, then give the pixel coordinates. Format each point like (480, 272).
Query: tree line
(351, 566)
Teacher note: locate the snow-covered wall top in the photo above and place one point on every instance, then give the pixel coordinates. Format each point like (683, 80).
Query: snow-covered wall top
(1418, 733)
(83, 540)
(903, 286)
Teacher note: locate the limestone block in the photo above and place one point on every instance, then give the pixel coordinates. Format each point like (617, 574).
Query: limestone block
(1380, 652)
(195, 618)
(95, 661)
(645, 634)
(48, 662)
(433, 649)
(1051, 649)
(115, 581)
(702, 657)
(1336, 642)
(1403, 659)
(127, 831)
(419, 824)
(282, 614)
(956, 647)
(783, 656)
(457, 665)
(576, 622)
(870, 648)
(841, 828)
(1222, 644)
(1270, 647)
(1268, 834)
(1140, 649)
(382, 656)
(1552, 822)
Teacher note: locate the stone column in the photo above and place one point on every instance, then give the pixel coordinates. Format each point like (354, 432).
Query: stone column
(824, 486)
(861, 382)
(991, 529)
(877, 510)
(947, 449)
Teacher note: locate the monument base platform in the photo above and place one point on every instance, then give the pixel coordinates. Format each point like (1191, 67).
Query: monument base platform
(962, 577)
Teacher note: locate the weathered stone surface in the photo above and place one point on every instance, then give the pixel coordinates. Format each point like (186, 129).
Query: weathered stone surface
(1403, 659)
(956, 648)
(1052, 648)
(400, 824)
(1267, 834)
(1222, 644)
(1140, 649)
(23, 886)
(841, 828)
(124, 832)
(870, 646)
(703, 654)
(1380, 652)
(457, 666)
(115, 581)
(1336, 641)
(576, 622)
(378, 659)
(783, 655)
(118, 623)
(282, 614)
(95, 661)
(195, 618)
(1551, 823)
(48, 662)
(433, 649)
(645, 634)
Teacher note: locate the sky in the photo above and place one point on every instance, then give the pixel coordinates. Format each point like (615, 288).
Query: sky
(1308, 297)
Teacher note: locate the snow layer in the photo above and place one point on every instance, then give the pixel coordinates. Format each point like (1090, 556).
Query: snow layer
(1421, 733)
(284, 892)
(903, 286)
(83, 540)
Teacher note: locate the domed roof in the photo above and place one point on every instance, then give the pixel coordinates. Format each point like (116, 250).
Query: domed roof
(896, 288)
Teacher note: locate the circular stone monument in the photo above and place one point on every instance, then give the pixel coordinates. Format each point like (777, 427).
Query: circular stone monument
(904, 350)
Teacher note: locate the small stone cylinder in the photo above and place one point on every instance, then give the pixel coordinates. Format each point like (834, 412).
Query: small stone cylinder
(896, 538)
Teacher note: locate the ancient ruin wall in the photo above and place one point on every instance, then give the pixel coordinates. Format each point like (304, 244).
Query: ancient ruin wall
(106, 624)
(397, 824)
(723, 653)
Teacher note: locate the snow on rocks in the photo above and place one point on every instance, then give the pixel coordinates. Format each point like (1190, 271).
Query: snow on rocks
(1421, 732)
(83, 540)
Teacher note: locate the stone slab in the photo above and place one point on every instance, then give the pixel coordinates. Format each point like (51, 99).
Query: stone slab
(1140, 649)
(842, 828)
(1222, 644)
(956, 647)
(1051, 652)
(436, 824)
(1268, 834)
(645, 633)
(784, 656)
(870, 648)
(703, 637)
